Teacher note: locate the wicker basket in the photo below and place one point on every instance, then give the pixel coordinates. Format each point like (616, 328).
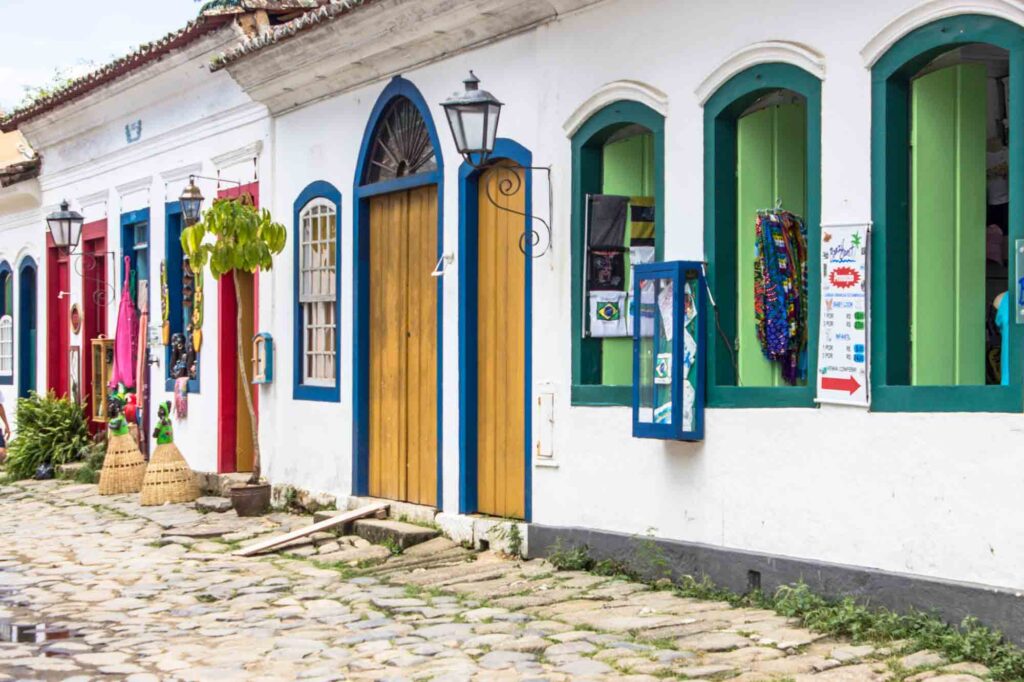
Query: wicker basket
(168, 478)
(123, 467)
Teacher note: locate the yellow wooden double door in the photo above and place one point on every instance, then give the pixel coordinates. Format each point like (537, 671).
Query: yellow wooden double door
(501, 339)
(403, 346)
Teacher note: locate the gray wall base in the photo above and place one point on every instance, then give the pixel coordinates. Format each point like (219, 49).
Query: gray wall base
(998, 608)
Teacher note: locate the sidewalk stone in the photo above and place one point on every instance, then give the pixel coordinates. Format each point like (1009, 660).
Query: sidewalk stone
(154, 594)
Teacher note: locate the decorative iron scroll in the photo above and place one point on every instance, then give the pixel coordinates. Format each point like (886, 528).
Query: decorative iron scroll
(508, 184)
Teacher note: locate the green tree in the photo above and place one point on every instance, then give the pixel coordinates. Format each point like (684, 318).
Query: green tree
(242, 239)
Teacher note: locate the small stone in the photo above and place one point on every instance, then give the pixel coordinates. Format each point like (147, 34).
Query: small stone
(584, 667)
(969, 668)
(845, 654)
(922, 659)
(499, 660)
(217, 505)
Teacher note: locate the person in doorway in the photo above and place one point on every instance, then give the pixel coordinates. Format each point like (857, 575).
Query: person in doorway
(5, 435)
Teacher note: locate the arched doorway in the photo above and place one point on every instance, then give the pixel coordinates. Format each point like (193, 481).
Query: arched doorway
(495, 316)
(398, 335)
(942, 258)
(27, 326)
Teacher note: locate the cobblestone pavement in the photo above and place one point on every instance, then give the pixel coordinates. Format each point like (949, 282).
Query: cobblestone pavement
(151, 593)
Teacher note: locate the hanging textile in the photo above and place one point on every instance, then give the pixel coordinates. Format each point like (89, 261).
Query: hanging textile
(607, 228)
(641, 221)
(124, 339)
(780, 291)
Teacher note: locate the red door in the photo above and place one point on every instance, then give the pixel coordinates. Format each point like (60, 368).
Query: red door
(95, 298)
(234, 453)
(58, 324)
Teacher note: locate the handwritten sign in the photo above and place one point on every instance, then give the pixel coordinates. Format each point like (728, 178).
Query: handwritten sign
(843, 337)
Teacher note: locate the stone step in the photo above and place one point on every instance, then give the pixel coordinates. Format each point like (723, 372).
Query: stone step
(397, 533)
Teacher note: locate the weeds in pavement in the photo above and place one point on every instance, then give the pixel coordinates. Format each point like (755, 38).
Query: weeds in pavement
(970, 641)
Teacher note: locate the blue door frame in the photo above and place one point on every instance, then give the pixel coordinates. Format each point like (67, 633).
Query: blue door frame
(398, 87)
(27, 325)
(468, 307)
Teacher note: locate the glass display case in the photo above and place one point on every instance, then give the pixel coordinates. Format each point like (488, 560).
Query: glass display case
(667, 317)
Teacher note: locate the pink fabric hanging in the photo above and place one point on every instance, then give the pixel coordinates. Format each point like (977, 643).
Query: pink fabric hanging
(127, 328)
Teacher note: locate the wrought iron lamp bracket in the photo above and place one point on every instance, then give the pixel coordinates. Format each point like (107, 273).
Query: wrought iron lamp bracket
(509, 186)
(83, 265)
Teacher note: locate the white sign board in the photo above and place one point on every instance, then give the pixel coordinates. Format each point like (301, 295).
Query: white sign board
(843, 335)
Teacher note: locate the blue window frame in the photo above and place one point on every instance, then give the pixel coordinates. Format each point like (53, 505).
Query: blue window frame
(135, 244)
(177, 317)
(317, 293)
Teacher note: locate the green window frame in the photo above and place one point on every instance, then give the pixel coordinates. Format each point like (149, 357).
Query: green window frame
(721, 115)
(890, 197)
(587, 143)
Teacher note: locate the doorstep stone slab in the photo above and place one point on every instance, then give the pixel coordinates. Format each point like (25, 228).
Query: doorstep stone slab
(403, 535)
(216, 505)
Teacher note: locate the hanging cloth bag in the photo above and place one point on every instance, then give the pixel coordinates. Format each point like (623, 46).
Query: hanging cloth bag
(127, 327)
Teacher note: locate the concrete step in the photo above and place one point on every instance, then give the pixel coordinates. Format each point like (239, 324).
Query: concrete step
(396, 533)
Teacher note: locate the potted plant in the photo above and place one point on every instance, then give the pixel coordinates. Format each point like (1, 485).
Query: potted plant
(242, 239)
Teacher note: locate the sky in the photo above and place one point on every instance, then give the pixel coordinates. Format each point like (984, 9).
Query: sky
(37, 37)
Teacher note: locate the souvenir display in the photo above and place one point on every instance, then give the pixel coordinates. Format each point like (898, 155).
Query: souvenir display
(608, 314)
(123, 466)
(168, 477)
(780, 291)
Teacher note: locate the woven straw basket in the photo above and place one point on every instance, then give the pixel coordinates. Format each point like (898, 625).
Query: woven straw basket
(168, 478)
(123, 467)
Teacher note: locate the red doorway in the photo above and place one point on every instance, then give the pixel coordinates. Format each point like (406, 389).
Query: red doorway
(95, 299)
(234, 447)
(58, 324)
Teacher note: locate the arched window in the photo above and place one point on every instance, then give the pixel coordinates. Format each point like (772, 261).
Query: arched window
(762, 139)
(946, 140)
(317, 284)
(617, 219)
(402, 144)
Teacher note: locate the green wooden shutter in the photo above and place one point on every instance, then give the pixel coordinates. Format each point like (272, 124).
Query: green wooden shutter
(771, 165)
(948, 183)
(628, 171)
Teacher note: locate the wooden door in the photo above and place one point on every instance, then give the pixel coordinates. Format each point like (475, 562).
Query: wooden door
(235, 436)
(501, 372)
(94, 309)
(948, 134)
(57, 323)
(771, 167)
(403, 346)
(27, 329)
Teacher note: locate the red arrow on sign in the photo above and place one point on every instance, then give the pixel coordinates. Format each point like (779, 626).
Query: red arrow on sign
(831, 384)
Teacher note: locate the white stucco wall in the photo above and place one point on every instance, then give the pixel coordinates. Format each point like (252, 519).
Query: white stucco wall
(192, 122)
(934, 495)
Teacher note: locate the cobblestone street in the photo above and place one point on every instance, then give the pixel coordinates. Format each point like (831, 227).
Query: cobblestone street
(152, 593)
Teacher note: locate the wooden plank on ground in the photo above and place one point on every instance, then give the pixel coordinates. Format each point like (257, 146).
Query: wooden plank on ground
(347, 517)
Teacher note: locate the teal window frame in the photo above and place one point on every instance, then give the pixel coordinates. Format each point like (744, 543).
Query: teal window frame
(587, 143)
(890, 197)
(721, 114)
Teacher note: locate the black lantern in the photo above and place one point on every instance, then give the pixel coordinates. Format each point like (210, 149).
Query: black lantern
(191, 200)
(473, 117)
(65, 227)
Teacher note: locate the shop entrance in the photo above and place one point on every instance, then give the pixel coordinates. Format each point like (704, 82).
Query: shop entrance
(403, 346)
(501, 344)
(58, 286)
(27, 311)
(236, 447)
(95, 297)
(959, 189)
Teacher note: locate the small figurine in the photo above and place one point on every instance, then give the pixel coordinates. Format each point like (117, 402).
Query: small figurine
(179, 356)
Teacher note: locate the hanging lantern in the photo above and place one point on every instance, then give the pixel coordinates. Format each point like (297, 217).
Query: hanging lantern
(473, 118)
(191, 201)
(65, 227)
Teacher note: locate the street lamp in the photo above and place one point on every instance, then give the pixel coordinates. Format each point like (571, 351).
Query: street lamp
(473, 118)
(191, 201)
(65, 227)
